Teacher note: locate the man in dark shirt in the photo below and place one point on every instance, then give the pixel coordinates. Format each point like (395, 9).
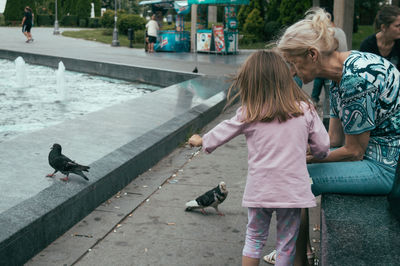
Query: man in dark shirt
(27, 24)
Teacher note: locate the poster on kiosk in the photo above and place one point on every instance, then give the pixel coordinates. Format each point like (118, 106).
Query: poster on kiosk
(219, 39)
(204, 40)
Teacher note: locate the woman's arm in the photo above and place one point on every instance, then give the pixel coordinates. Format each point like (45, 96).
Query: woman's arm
(336, 134)
(353, 149)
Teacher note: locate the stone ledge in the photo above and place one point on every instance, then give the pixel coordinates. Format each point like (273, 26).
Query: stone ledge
(159, 77)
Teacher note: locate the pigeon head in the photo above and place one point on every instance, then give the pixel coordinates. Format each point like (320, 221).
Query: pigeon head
(222, 187)
(56, 147)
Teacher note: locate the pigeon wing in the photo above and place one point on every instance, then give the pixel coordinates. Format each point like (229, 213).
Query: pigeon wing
(60, 163)
(206, 199)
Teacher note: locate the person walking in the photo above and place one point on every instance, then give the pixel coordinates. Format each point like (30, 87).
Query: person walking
(26, 24)
(279, 123)
(386, 42)
(364, 126)
(152, 32)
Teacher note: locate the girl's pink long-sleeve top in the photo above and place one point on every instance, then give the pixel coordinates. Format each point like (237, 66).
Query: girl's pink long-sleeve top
(277, 171)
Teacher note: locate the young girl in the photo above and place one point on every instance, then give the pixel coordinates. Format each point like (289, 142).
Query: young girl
(279, 124)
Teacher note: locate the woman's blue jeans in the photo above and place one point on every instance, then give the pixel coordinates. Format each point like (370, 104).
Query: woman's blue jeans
(360, 177)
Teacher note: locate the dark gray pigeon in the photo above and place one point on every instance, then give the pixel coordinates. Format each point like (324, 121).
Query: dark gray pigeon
(211, 198)
(64, 164)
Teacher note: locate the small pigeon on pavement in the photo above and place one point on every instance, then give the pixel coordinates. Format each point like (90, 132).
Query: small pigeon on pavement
(211, 198)
(64, 164)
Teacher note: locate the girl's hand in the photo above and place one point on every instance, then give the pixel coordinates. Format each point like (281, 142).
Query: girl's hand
(195, 140)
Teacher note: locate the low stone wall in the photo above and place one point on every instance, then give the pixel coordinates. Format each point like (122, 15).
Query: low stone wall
(153, 76)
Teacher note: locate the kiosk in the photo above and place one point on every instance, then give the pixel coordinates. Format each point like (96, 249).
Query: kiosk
(177, 40)
(219, 39)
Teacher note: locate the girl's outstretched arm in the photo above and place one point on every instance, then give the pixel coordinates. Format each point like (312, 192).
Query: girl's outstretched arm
(222, 133)
(195, 140)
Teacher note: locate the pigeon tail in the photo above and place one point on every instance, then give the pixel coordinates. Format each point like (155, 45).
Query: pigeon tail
(81, 174)
(79, 167)
(192, 205)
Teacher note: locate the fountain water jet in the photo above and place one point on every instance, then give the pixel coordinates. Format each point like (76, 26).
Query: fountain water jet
(20, 68)
(60, 77)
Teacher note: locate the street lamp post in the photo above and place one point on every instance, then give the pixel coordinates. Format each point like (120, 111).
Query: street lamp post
(115, 41)
(56, 29)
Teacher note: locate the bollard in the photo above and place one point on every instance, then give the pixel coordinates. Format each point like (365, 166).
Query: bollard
(130, 37)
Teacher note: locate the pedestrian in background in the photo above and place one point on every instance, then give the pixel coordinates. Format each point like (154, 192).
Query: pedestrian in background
(386, 42)
(152, 32)
(279, 122)
(27, 24)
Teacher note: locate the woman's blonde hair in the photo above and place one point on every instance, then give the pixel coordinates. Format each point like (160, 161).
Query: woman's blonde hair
(266, 89)
(314, 31)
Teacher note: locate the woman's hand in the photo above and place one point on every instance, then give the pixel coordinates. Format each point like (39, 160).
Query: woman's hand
(195, 141)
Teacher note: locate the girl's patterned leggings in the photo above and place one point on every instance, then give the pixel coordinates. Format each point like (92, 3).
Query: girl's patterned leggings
(288, 223)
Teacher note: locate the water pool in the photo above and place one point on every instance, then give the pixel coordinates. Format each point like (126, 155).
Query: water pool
(38, 101)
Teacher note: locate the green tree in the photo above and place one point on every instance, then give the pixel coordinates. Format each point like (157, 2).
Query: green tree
(14, 10)
(254, 24)
(366, 10)
(97, 7)
(245, 11)
(83, 8)
(69, 7)
(272, 10)
(292, 10)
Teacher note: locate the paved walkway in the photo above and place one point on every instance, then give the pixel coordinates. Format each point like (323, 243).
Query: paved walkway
(145, 223)
(56, 45)
(159, 231)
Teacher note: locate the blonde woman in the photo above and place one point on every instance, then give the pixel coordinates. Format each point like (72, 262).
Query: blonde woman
(279, 122)
(365, 112)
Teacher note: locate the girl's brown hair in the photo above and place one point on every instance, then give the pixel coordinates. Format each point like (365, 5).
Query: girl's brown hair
(266, 89)
(386, 16)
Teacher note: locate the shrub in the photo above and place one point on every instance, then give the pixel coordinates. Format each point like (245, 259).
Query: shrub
(82, 22)
(271, 30)
(69, 21)
(44, 20)
(139, 36)
(94, 22)
(107, 21)
(126, 21)
(2, 20)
